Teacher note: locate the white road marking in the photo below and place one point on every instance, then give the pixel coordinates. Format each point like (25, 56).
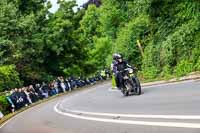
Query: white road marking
(147, 123)
(178, 117)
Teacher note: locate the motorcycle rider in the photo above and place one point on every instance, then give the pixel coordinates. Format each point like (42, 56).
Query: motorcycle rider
(118, 65)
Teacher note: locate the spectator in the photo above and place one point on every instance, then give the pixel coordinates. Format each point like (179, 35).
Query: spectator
(24, 96)
(12, 106)
(38, 91)
(14, 98)
(45, 90)
(27, 95)
(58, 81)
(63, 85)
(32, 94)
(68, 84)
(55, 86)
(52, 90)
(1, 115)
(21, 98)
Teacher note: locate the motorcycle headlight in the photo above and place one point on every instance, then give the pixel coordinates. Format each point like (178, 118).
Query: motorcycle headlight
(130, 70)
(126, 77)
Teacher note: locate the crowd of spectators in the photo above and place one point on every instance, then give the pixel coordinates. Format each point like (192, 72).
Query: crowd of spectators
(25, 96)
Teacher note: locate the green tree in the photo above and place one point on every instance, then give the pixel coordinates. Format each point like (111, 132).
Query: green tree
(9, 78)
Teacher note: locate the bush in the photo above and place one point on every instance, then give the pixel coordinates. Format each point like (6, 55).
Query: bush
(4, 105)
(9, 77)
(197, 66)
(183, 68)
(150, 72)
(167, 72)
(45, 77)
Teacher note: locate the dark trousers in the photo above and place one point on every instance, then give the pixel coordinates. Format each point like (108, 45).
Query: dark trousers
(119, 80)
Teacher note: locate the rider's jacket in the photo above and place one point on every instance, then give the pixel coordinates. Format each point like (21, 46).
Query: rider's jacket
(119, 66)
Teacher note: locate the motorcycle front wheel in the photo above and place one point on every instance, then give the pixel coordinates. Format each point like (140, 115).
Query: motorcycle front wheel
(128, 87)
(137, 86)
(124, 92)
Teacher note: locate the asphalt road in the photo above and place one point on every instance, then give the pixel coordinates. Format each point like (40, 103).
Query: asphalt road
(169, 108)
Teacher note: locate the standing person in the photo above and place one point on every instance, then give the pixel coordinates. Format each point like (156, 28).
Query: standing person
(55, 86)
(1, 115)
(52, 89)
(33, 95)
(68, 85)
(45, 90)
(21, 99)
(113, 69)
(62, 84)
(26, 91)
(14, 98)
(12, 106)
(38, 91)
(58, 83)
(25, 97)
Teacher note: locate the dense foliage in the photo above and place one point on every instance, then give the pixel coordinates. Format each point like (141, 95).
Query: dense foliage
(9, 78)
(4, 105)
(161, 38)
(41, 45)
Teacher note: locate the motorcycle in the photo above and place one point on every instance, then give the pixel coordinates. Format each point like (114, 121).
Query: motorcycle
(130, 82)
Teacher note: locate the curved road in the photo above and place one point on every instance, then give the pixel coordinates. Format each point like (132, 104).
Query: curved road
(165, 108)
